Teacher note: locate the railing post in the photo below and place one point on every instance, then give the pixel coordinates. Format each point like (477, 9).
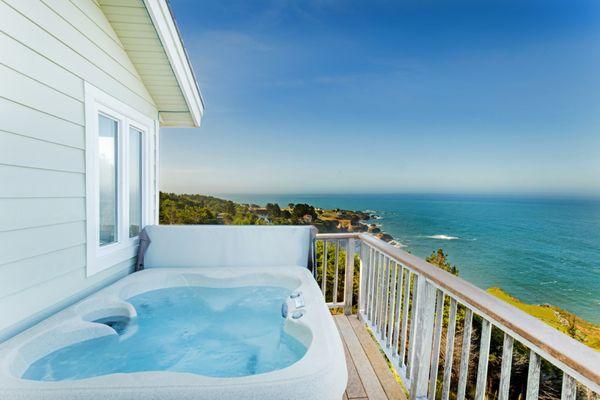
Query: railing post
(348, 287)
(424, 326)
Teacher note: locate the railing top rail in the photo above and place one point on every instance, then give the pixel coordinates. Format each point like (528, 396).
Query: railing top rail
(579, 360)
(333, 236)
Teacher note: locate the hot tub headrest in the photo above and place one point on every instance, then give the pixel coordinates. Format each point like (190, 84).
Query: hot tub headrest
(228, 246)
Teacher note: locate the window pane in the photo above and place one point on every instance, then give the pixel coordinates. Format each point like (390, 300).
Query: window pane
(135, 182)
(107, 150)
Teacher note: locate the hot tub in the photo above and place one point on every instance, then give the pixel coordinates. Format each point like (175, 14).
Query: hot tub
(184, 333)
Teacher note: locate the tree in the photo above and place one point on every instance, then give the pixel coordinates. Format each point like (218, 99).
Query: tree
(273, 209)
(440, 260)
(572, 328)
(300, 210)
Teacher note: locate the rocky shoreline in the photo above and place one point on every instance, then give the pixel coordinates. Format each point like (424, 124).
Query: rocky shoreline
(338, 220)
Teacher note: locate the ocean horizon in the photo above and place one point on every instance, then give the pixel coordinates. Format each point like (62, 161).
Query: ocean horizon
(540, 249)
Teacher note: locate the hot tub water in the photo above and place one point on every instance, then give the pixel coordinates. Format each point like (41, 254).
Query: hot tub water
(217, 332)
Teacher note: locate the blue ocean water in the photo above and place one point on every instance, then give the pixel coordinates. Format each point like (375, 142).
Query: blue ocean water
(541, 250)
(218, 332)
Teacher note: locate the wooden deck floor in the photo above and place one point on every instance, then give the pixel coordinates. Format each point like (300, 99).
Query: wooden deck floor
(369, 377)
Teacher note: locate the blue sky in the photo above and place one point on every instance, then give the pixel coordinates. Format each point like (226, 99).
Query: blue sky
(328, 96)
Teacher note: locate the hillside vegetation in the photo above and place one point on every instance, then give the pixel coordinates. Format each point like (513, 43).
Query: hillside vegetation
(566, 322)
(200, 209)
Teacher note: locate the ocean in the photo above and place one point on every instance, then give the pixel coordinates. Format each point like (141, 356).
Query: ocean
(540, 250)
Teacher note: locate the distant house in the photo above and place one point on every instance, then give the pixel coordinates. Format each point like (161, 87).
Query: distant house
(86, 85)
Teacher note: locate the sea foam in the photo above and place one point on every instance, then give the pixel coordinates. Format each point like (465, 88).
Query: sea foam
(443, 237)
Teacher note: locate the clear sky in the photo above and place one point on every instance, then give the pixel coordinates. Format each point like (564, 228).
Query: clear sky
(328, 96)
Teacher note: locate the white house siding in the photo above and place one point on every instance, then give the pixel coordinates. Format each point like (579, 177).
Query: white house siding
(48, 48)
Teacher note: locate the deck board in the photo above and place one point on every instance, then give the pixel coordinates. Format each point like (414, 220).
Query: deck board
(369, 377)
(391, 387)
(355, 388)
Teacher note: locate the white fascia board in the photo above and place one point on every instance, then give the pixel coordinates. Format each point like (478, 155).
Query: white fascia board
(168, 33)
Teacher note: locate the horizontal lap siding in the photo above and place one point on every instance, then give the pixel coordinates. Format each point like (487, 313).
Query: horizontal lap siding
(20, 213)
(26, 121)
(34, 153)
(49, 48)
(82, 61)
(31, 93)
(20, 182)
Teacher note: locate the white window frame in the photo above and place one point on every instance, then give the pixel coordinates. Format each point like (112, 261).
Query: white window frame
(98, 102)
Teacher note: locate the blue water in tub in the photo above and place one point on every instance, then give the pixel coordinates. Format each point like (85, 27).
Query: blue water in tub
(217, 332)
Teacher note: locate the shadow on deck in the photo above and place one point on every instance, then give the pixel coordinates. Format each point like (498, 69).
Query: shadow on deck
(369, 377)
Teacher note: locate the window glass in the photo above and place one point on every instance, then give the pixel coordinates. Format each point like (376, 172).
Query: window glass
(135, 182)
(107, 168)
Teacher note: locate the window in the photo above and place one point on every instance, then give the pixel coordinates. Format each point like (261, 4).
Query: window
(107, 178)
(118, 196)
(135, 181)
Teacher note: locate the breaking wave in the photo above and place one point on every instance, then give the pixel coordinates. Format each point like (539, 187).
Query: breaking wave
(443, 237)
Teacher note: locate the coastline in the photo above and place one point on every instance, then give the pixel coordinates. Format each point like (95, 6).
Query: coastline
(570, 324)
(567, 322)
(201, 209)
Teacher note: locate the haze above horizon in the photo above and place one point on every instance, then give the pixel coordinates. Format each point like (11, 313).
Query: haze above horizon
(327, 96)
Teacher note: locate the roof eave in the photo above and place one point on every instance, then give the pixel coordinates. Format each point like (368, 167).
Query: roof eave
(167, 31)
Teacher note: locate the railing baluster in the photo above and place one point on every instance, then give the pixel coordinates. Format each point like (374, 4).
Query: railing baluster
(437, 341)
(392, 302)
(413, 327)
(464, 357)
(324, 271)
(385, 298)
(380, 292)
(375, 290)
(533, 376)
(382, 267)
(405, 307)
(569, 388)
(507, 354)
(363, 280)
(336, 269)
(371, 277)
(386, 302)
(449, 350)
(371, 283)
(400, 284)
(374, 287)
(367, 296)
(349, 277)
(484, 353)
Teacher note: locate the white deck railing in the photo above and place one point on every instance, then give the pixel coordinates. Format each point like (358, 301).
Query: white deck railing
(403, 300)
